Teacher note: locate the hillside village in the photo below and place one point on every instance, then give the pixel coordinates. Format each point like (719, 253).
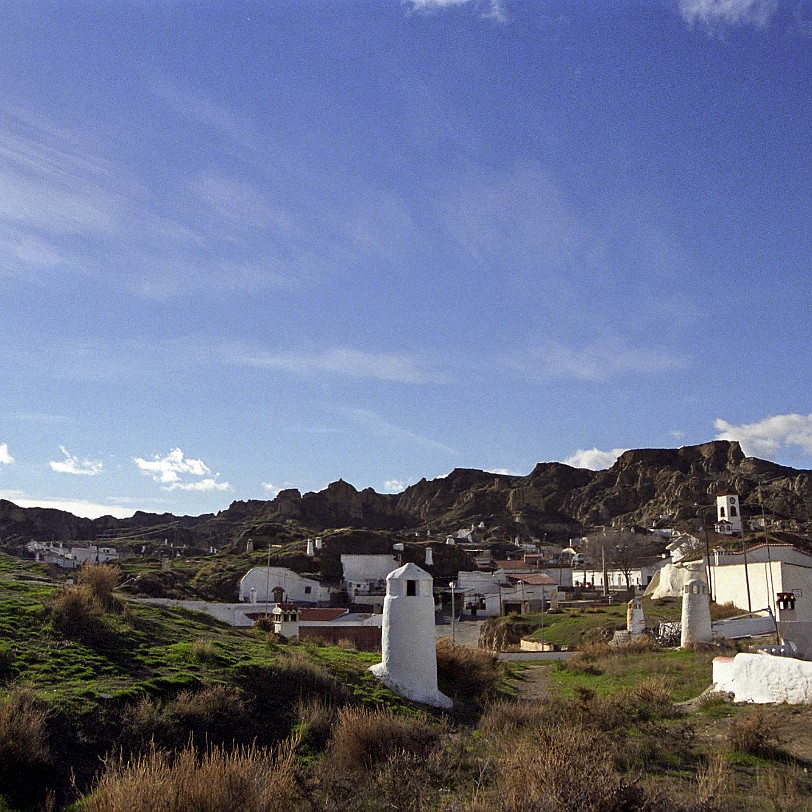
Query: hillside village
(504, 583)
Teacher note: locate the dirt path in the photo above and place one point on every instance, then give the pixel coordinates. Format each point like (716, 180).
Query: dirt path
(534, 682)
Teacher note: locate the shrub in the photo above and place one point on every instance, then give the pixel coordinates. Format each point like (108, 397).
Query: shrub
(215, 713)
(98, 580)
(298, 677)
(754, 734)
(248, 779)
(362, 738)
(315, 721)
(466, 673)
(77, 615)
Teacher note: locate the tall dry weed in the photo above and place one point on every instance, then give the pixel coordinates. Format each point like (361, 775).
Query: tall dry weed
(466, 673)
(362, 738)
(24, 748)
(561, 769)
(247, 779)
(99, 580)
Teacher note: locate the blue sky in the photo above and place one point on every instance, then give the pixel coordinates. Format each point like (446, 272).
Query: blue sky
(248, 246)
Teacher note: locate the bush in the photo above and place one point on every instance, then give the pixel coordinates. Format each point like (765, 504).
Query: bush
(248, 779)
(362, 738)
(754, 734)
(215, 714)
(98, 580)
(466, 673)
(77, 615)
(315, 721)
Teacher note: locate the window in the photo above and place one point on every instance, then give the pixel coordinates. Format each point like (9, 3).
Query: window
(732, 510)
(411, 588)
(722, 511)
(308, 590)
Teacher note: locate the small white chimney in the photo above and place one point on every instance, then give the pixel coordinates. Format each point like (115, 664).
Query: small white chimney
(311, 547)
(318, 542)
(429, 557)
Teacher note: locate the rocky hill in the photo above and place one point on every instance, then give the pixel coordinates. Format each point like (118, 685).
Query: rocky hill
(643, 487)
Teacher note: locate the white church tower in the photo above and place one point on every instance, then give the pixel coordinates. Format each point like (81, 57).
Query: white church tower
(728, 512)
(409, 664)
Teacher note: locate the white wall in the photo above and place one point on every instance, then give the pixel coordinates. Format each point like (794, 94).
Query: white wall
(729, 585)
(763, 678)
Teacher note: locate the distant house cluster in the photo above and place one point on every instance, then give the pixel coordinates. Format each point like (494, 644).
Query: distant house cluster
(71, 558)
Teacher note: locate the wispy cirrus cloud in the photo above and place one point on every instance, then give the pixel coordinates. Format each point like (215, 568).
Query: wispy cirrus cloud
(72, 464)
(5, 455)
(597, 361)
(594, 458)
(380, 427)
(790, 432)
(487, 9)
(719, 13)
(343, 361)
(176, 472)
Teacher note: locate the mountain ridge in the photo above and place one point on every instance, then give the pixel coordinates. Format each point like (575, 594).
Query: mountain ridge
(554, 499)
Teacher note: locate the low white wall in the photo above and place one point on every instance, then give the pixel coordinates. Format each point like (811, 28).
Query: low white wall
(232, 613)
(763, 678)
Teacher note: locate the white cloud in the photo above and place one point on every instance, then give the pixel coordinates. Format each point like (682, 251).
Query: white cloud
(5, 456)
(207, 484)
(594, 458)
(272, 489)
(340, 361)
(169, 470)
(73, 465)
(596, 362)
(78, 507)
(771, 435)
(715, 13)
(504, 471)
(394, 486)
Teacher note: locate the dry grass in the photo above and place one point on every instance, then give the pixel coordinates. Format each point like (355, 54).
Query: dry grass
(781, 787)
(247, 779)
(466, 673)
(23, 732)
(24, 748)
(362, 738)
(565, 769)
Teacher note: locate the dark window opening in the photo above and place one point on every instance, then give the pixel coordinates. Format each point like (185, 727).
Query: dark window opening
(411, 587)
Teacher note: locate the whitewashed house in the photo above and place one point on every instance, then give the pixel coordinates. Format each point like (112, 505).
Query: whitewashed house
(365, 576)
(278, 584)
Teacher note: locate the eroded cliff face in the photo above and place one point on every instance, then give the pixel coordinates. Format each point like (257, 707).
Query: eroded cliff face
(554, 499)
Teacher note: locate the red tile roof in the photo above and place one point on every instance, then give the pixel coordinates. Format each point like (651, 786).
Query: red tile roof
(533, 579)
(326, 613)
